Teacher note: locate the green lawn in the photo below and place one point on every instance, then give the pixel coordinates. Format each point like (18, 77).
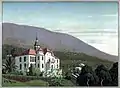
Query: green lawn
(41, 83)
(29, 83)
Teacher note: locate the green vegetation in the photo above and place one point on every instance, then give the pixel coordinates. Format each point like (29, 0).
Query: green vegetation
(71, 59)
(7, 82)
(20, 80)
(68, 61)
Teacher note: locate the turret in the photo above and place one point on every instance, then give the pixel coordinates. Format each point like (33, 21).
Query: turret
(36, 45)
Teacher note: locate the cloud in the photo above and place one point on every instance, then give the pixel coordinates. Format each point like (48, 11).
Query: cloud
(90, 16)
(94, 32)
(110, 15)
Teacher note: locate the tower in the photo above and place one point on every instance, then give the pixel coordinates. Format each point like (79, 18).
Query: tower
(36, 45)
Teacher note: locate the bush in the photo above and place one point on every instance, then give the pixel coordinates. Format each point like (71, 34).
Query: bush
(67, 76)
(22, 78)
(17, 73)
(41, 74)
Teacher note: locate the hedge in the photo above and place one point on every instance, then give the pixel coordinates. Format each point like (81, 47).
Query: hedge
(22, 78)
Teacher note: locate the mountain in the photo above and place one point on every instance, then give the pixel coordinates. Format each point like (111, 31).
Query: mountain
(23, 35)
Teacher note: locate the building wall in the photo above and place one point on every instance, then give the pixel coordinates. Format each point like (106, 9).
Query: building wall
(23, 62)
(41, 59)
(40, 62)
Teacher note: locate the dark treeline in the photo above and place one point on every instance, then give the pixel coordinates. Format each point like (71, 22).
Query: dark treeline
(101, 76)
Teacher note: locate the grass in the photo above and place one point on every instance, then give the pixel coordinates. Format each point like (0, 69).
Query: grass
(35, 83)
(28, 83)
(66, 82)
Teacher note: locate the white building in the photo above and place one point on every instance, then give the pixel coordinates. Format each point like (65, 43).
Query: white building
(42, 58)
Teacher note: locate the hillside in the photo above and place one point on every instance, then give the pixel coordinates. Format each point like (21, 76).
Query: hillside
(68, 59)
(24, 36)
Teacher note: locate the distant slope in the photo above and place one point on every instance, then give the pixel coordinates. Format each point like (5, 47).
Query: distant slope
(23, 35)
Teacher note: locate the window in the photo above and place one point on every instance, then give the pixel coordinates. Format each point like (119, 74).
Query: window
(20, 66)
(35, 59)
(38, 57)
(57, 61)
(24, 59)
(38, 65)
(51, 66)
(32, 59)
(42, 57)
(57, 65)
(25, 66)
(42, 66)
(20, 59)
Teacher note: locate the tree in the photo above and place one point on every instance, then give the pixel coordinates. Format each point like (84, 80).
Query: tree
(114, 74)
(67, 76)
(31, 70)
(9, 65)
(104, 76)
(87, 77)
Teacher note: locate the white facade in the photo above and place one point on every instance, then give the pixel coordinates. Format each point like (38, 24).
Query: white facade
(44, 62)
(42, 58)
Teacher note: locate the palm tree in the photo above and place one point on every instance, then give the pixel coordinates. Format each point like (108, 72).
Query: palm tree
(9, 64)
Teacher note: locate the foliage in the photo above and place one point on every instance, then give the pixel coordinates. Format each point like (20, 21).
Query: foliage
(9, 65)
(87, 77)
(60, 82)
(68, 76)
(16, 72)
(7, 82)
(10, 49)
(104, 76)
(114, 74)
(31, 70)
(22, 78)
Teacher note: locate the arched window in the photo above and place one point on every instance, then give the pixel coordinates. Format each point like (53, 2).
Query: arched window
(20, 66)
(42, 57)
(20, 59)
(24, 59)
(42, 65)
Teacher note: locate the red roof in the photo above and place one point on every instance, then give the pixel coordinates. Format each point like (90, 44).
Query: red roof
(29, 52)
(45, 50)
(33, 52)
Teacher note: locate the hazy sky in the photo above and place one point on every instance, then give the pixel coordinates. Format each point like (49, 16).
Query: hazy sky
(95, 23)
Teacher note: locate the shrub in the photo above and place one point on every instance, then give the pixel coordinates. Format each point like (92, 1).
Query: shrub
(67, 76)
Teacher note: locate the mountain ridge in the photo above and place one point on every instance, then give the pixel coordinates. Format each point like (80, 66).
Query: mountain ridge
(55, 40)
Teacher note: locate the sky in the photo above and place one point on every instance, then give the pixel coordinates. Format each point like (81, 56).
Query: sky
(95, 23)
